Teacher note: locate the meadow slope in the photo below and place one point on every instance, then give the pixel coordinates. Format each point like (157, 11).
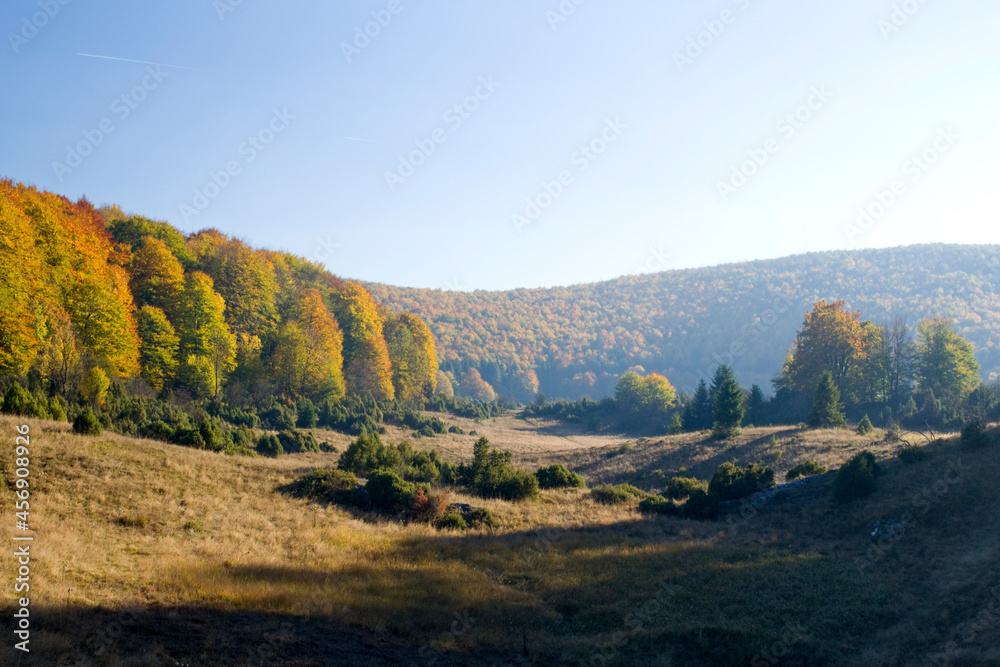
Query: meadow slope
(148, 553)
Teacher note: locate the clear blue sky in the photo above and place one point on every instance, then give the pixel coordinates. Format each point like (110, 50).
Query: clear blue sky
(672, 130)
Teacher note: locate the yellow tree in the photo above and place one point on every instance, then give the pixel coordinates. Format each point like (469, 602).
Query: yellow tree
(414, 360)
(155, 275)
(207, 349)
(245, 279)
(158, 353)
(366, 358)
(833, 339)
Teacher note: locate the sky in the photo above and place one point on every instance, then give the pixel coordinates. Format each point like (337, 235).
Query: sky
(519, 143)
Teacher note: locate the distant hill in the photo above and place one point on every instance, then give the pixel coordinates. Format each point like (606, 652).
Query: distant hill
(682, 323)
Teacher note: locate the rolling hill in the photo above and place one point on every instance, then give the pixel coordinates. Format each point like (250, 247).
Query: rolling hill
(682, 323)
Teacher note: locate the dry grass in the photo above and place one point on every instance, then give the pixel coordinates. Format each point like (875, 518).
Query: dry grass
(123, 523)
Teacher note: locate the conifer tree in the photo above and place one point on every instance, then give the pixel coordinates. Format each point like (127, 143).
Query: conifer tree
(826, 409)
(727, 405)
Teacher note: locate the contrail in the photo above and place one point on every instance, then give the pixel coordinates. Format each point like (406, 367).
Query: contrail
(143, 62)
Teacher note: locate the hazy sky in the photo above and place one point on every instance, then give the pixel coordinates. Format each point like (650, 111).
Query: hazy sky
(624, 122)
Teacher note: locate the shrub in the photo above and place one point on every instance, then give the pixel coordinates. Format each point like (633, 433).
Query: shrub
(279, 418)
(806, 468)
(307, 415)
(865, 426)
(658, 505)
(193, 526)
(557, 476)
(626, 447)
(730, 482)
(493, 476)
(700, 505)
(388, 491)
(679, 488)
(517, 485)
(86, 423)
(974, 434)
(19, 401)
(479, 517)
(427, 507)
(912, 454)
(856, 478)
(57, 408)
(616, 494)
(326, 484)
(367, 454)
(451, 521)
(269, 445)
(298, 441)
(456, 429)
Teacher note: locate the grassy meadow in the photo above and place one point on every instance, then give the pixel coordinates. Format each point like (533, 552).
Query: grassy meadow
(147, 553)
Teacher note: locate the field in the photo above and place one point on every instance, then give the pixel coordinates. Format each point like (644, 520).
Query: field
(148, 553)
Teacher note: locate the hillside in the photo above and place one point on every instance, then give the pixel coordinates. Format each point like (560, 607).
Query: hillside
(144, 561)
(682, 323)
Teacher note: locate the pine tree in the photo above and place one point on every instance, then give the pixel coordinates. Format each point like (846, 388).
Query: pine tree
(727, 405)
(826, 409)
(755, 406)
(865, 426)
(699, 416)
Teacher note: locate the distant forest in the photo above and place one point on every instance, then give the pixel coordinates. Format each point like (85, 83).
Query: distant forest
(578, 341)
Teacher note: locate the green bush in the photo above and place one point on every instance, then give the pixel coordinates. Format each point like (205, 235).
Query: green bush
(298, 441)
(388, 491)
(973, 434)
(679, 488)
(480, 517)
(306, 414)
(626, 447)
(700, 505)
(616, 494)
(912, 454)
(19, 401)
(328, 484)
(451, 521)
(856, 478)
(57, 408)
(269, 445)
(806, 468)
(493, 476)
(367, 454)
(730, 482)
(558, 476)
(86, 423)
(865, 426)
(656, 504)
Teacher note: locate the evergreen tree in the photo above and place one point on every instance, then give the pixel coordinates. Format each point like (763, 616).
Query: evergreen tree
(754, 406)
(727, 404)
(698, 415)
(826, 410)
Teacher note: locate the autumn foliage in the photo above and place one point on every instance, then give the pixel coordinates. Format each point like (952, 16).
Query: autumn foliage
(93, 296)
